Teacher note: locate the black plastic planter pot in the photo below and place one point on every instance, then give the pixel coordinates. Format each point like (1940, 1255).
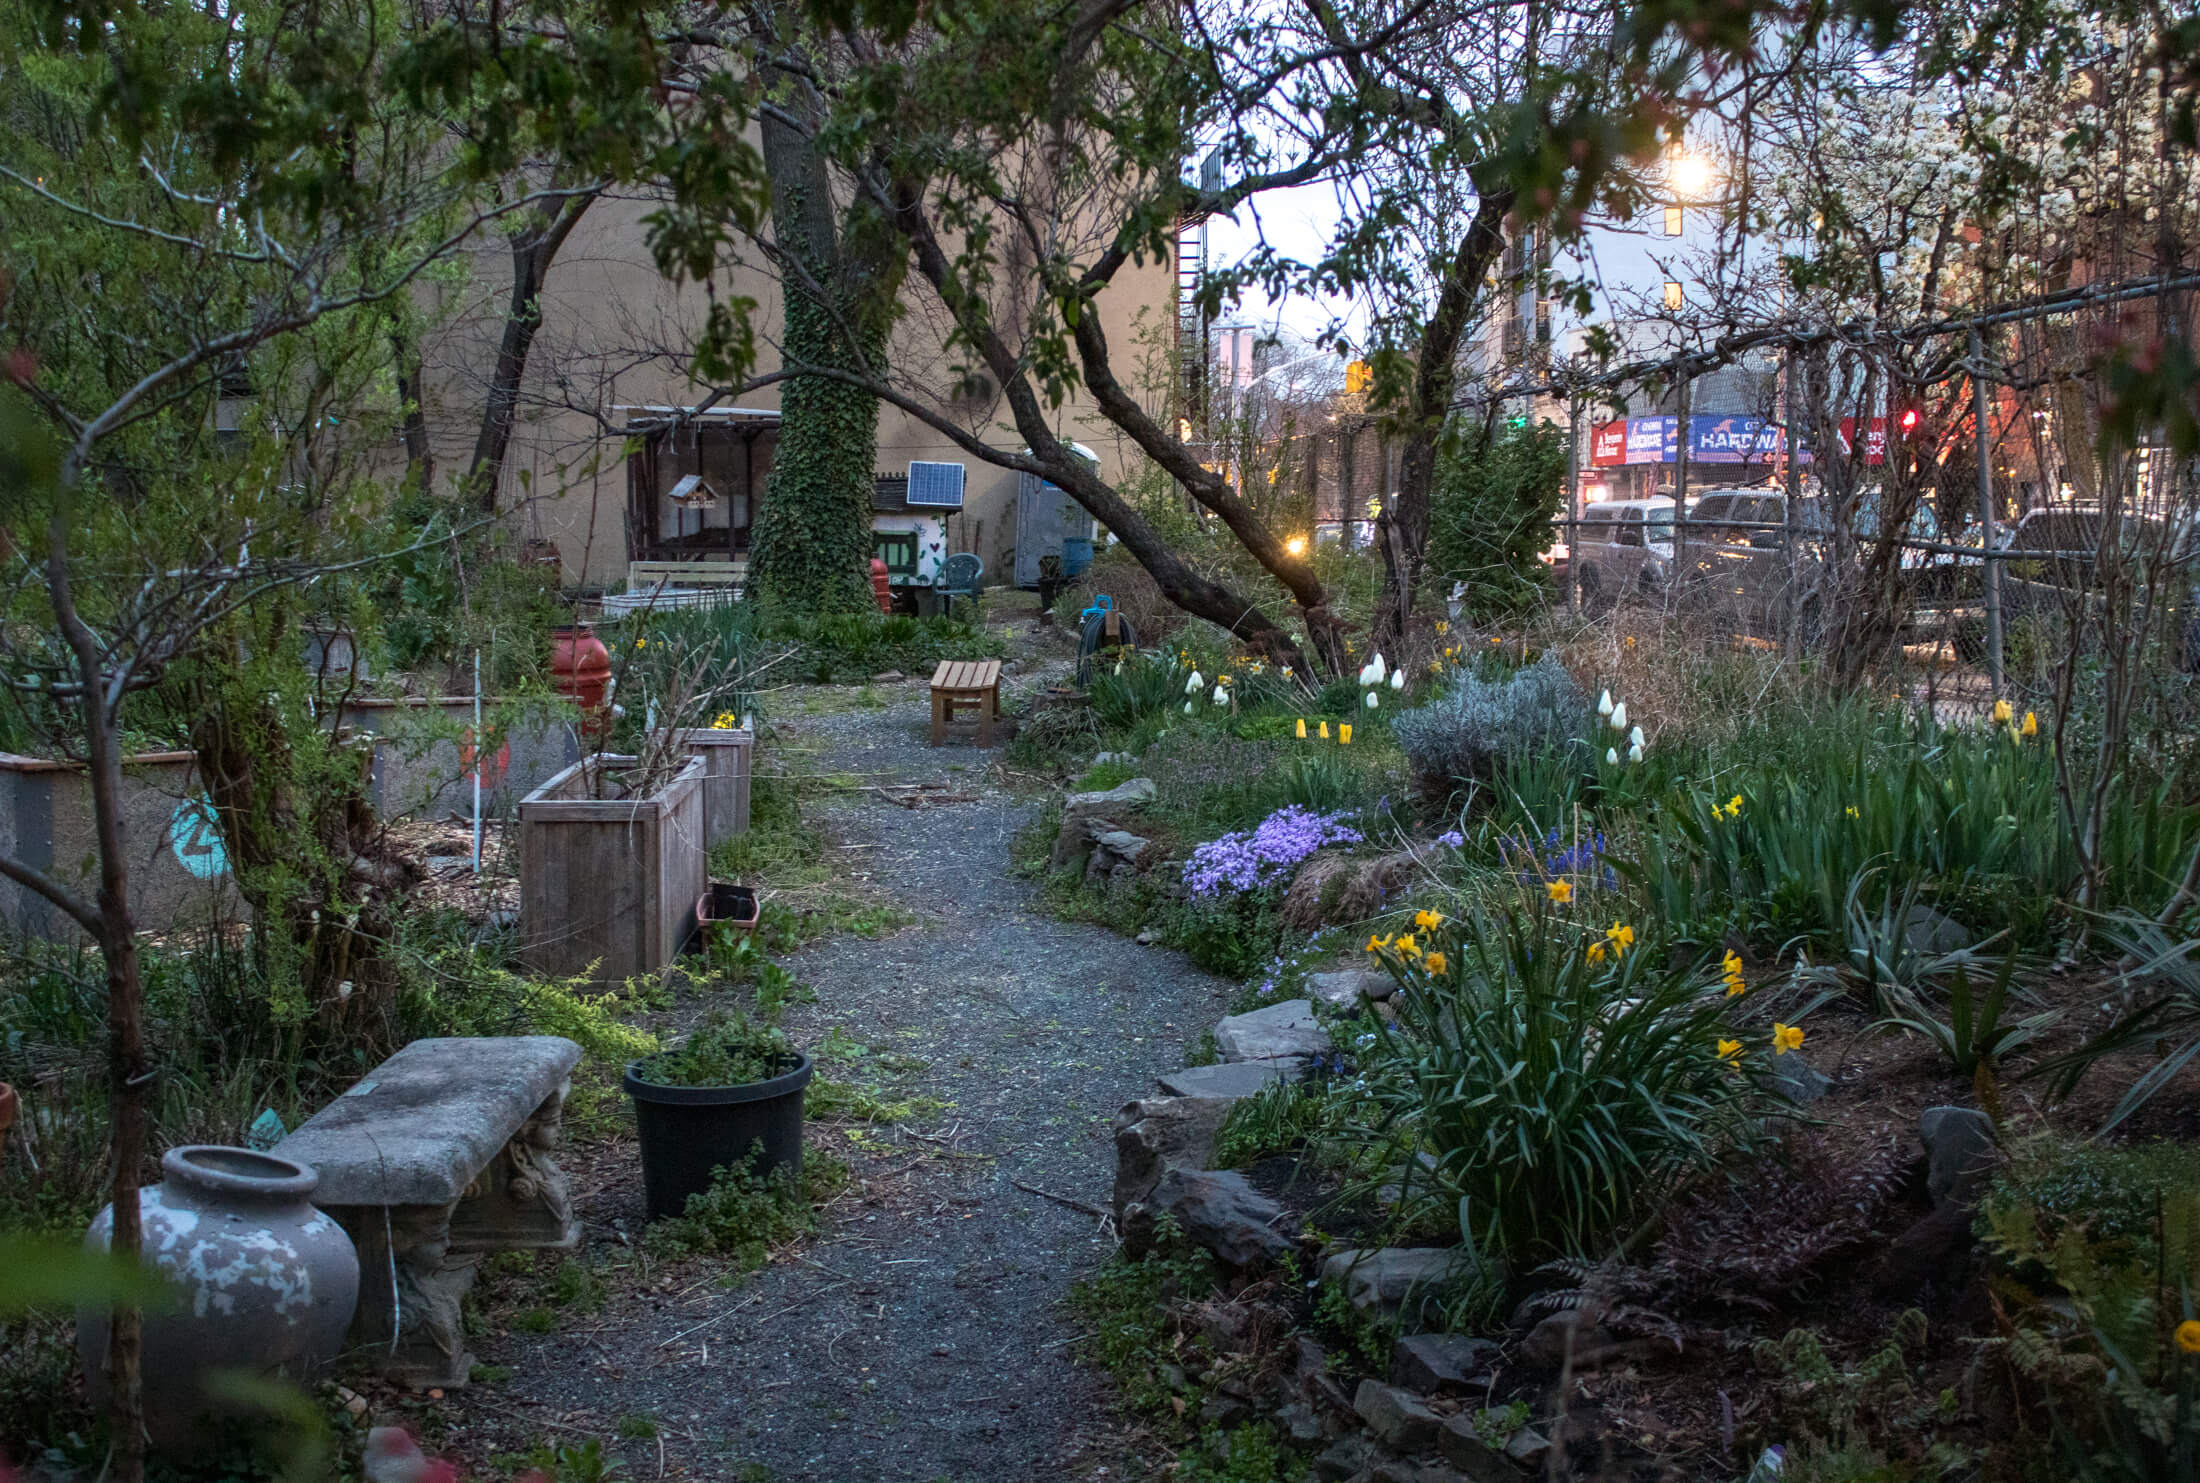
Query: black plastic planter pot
(689, 1133)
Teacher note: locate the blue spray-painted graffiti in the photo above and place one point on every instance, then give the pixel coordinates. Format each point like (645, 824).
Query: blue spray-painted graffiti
(195, 839)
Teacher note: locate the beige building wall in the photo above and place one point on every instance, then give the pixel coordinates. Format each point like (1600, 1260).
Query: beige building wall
(615, 336)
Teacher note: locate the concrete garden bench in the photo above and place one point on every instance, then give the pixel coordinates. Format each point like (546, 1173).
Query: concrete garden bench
(435, 1158)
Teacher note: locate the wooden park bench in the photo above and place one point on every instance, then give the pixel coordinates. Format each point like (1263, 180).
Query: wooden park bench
(966, 684)
(435, 1158)
(646, 576)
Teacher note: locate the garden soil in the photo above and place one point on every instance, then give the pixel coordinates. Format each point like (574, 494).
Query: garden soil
(924, 1333)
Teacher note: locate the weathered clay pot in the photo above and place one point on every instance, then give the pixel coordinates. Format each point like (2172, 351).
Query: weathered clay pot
(580, 670)
(268, 1285)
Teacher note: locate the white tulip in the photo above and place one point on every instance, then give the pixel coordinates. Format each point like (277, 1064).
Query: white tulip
(1635, 738)
(1191, 686)
(1634, 753)
(1222, 696)
(1604, 704)
(1619, 716)
(1367, 674)
(1398, 680)
(1611, 756)
(1187, 708)
(1372, 702)
(1378, 667)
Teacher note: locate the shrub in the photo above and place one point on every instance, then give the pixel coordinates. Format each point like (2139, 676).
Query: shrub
(1490, 518)
(1471, 731)
(743, 1215)
(2109, 1195)
(1557, 1080)
(855, 646)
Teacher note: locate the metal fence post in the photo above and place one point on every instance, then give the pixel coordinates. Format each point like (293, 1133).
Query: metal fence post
(1990, 570)
(1573, 495)
(1680, 497)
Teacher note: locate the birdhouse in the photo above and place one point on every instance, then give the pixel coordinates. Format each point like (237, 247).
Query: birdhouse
(694, 493)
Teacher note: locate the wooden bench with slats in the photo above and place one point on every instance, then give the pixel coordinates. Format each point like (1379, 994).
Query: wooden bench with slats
(641, 576)
(966, 684)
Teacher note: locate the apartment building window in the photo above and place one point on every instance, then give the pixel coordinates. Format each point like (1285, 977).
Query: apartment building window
(1672, 295)
(1672, 221)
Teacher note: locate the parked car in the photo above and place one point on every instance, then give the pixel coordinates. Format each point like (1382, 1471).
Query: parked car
(1623, 547)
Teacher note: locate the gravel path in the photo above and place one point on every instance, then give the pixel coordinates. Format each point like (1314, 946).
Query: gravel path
(922, 1335)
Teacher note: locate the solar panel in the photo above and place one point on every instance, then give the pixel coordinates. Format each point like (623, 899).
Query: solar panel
(939, 485)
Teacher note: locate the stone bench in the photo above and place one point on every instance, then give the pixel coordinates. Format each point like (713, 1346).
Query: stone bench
(436, 1157)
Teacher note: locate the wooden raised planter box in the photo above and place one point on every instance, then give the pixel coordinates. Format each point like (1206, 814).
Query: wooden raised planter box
(728, 762)
(607, 887)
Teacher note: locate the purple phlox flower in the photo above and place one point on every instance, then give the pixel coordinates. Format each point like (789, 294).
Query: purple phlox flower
(1248, 860)
(1451, 839)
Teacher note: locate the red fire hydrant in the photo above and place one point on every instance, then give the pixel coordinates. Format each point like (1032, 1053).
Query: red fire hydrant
(881, 592)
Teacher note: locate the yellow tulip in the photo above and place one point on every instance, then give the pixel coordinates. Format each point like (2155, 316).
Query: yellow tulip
(1344, 734)
(1325, 731)
(2031, 725)
(2002, 712)
(1302, 728)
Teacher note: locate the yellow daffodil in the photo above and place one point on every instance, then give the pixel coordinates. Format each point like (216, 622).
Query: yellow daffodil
(1302, 728)
(1596, 952)
(1428, 921)
(1442, 626)
(2031, 726)
(641, 643)
(1325, 731)
(2188, 1336)
(2002, 712)
(1852, 813)
(1730, 1051)
(1734, 807)
(1344, 734)
(1407, 945)
(1560, 891)
(1435, 962)
(1786, 1038)
(1621, 936)
(1377, 944)
(726, 721)
(1630, 641)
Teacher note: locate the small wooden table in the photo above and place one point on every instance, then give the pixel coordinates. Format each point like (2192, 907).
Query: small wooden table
(966, 683)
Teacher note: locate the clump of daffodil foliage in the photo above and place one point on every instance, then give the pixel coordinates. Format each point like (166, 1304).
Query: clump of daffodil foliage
(1555, 1074)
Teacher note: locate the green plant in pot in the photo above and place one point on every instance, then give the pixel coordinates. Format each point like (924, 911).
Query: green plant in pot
(731, 1091)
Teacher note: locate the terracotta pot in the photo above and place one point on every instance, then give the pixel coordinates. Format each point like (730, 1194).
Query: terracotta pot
(728, 906)
(268, 1286)
(580, 669)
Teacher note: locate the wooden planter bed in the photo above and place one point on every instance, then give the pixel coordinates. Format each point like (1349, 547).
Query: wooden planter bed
(608, 885)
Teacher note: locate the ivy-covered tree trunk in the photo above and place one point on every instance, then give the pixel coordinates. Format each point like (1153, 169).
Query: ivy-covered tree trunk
(813, 527)
(839, 281)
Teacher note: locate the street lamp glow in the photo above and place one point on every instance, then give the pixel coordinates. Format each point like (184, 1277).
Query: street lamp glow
(1296, 545)
(1691, 175)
